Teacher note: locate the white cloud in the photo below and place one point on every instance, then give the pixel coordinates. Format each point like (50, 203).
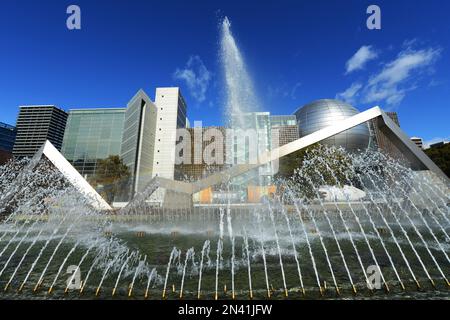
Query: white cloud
(394, 80)
(390, 84)
(360, 58)
(351, 93)
(196, 76)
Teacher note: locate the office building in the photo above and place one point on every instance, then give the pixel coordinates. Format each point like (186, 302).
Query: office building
(138, 142)
(92, 135)
(7, 139)
(35, 125)
(210, 157)
(170, 116)
(418, 141)
(284, 129)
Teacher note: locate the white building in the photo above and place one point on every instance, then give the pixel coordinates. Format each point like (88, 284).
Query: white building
(171, 115)
(418, 141)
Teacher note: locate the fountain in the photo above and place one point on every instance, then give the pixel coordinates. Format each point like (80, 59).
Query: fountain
(289, 246)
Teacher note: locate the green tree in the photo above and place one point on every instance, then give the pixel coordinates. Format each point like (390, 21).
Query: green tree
(315, 166)
(441, 157)
(111, 176)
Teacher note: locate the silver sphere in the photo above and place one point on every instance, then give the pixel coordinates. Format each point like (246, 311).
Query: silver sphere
(326, 112)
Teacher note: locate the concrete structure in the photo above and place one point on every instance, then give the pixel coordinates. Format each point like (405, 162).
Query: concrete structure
(418, 141)
(138, 142)
(36, 125)
(322, 113)
(92, 135)
(48, 151)
(381, 141)
(171, 115)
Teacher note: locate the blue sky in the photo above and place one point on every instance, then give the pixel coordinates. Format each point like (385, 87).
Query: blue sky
(296, 52)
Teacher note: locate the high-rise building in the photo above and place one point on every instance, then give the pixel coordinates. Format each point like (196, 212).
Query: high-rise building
(7, 138)
(171, 115)
(138, 143)
(210, 158)
(284, 128)
(418, 141)
(92, 135)
(35, 125)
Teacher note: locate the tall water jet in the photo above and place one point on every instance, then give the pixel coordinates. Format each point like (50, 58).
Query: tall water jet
(240, 91)
(205, 250)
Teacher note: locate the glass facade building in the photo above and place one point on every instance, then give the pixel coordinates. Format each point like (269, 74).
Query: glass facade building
(7, 137)
(92, 135)
(137, 148)
(283, 120)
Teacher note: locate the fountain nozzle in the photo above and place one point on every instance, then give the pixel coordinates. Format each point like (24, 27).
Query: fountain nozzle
(268, 293)
(321, 291)
(97, 292)
(432, 283)
(286, 294)
(403, 286)
(6, 287)
(417, 284)
(50, 290)
(337, 291)
(448, 283)
(386, 287)
(303, 292)
(353, 289)
(251, 295)
(216, 296)
(114, 292)
(130, 291)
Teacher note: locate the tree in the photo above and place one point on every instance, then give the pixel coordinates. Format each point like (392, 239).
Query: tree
(289, 163)
(316, 166)
(111, 175)
(441, 157)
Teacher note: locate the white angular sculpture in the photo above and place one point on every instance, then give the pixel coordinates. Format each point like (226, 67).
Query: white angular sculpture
(70, 173)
